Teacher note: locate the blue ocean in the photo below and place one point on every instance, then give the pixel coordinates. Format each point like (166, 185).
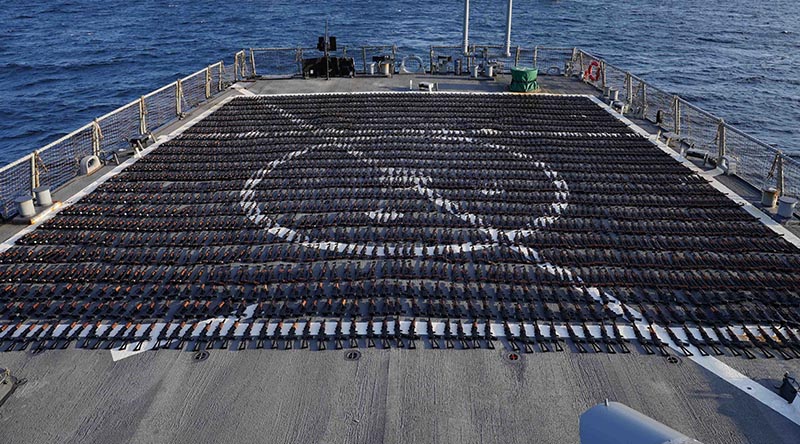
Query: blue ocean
(63, 63)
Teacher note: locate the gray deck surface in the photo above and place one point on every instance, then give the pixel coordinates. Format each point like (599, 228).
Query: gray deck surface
(392, 396)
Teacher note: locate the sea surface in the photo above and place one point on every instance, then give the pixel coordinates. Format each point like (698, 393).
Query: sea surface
(63, 63)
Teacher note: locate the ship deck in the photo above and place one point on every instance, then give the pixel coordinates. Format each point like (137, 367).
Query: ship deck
(450, 197)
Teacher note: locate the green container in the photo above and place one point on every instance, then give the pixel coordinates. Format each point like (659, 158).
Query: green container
(524, 79)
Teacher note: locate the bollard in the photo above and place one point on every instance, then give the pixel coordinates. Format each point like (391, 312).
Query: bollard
(43, 197)
(786, 206)
(769, 196)
(25, 206)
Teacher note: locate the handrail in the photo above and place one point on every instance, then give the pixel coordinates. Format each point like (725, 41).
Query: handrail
(753, 157)
(690, 123)
(58, 160)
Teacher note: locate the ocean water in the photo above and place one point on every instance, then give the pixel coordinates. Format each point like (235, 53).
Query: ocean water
(63, 63)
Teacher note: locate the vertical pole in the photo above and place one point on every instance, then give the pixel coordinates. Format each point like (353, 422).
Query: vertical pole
(571, 65)
(298, 58)
(178, 96)
(142, 116)
(433, 67)
(580, 57)
(236, 67)
(721, 142)
(644, 99)
(97, 136)
(34, 171)
(779, 173)
(508, 28)
(465, 46)
(516, 56)
(327, 59)
(676, 110)
(603, 73)
(221, 73)
(208, 82)
(364, 57)
(253, 61)
(628, 88)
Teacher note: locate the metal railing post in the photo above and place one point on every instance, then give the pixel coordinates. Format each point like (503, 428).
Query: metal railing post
(644, 99)
(516, 56)
(364, 57)
(298, 59)
(580, 58)
(603, 73)
(221, 74)
(573, 58)
(97, 137)
(721, 142)
(628, 89)
(465, 43)
(34, 171)
(178, 97)
(779, 173)
(676, 110)
(208, 82)
(142, 116)
(253, 61)
(235, 67)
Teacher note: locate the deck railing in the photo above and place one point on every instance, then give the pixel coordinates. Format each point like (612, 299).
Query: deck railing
(758, 163)
(59, 162)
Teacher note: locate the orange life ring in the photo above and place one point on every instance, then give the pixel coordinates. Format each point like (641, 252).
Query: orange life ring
(591, 73)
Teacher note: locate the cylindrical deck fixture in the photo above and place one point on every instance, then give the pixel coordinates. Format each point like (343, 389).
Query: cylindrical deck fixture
(43, 197)
(386, 68)
(465, 48)
(613, 95)
(475, 70)
(786, 206)
(490, 70)
(25, 206)
(769, 196)
(508, 28)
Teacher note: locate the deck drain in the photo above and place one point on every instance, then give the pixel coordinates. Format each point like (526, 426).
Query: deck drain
(352, 355)
(673, 359)
(513, 357)
(202, 355)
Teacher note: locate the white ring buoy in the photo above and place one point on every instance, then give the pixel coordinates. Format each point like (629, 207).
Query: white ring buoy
(420, 63)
